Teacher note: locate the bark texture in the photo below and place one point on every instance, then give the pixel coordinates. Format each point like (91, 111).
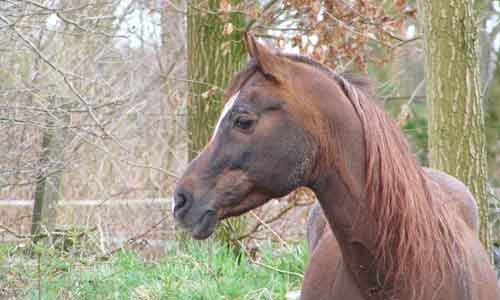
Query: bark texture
(47, 191)
(456, 118)
(213, 59)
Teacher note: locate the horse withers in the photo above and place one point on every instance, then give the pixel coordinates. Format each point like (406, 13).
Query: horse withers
(393, 231)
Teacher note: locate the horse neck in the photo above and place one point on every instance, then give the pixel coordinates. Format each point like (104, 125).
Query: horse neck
(346, 207)
(349, 217)
(350, 220)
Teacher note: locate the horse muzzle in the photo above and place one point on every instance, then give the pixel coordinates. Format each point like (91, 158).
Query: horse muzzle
(199, 220)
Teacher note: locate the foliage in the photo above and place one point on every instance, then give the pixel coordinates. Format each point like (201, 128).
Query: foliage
(416, 132)
(493, 129)
(196, 271)
(414, 127)
(339, 33)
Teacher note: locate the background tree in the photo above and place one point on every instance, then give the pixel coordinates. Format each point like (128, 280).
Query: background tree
(215, 53)
(88, 107)
(456, 116)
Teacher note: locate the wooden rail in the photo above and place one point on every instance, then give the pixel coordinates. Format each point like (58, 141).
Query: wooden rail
(89, 202)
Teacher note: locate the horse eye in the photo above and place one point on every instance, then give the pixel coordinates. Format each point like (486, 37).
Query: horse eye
(243, 122)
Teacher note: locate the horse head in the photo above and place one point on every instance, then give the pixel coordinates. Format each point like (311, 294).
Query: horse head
(256, 141)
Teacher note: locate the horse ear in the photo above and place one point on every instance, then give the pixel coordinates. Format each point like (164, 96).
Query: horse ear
(268, 62)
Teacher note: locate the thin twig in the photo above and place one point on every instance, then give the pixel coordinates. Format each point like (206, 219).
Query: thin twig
(60, 72)
(14, 233)
(262, 14)
(270, 229)
(132, 240)
(268, 266)
(276, 269)
(256, 227)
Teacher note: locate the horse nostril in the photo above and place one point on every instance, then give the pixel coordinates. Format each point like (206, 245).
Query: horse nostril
(181, 201)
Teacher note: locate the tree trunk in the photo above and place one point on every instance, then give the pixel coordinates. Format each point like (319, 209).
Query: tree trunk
(48, 182)
(215, 54)
(456, 117)
(47, 190)
(213, 59)
(48, 185)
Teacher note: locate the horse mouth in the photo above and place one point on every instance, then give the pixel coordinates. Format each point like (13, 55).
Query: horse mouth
(205, 226)
(250, 201)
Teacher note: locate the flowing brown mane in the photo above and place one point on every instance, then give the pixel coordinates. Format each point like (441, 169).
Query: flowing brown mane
(416, 232)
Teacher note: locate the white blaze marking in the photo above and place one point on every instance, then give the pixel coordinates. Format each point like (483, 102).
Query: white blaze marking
(227, 108)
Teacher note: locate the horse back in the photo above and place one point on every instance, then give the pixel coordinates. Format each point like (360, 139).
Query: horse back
(459, 194)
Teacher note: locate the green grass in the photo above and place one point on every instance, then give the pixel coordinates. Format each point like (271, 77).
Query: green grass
(195, 272)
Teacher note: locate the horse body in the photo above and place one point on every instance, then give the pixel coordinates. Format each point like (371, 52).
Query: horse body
(393, 231)
(342, 265)
(328, 278)
(320, 279)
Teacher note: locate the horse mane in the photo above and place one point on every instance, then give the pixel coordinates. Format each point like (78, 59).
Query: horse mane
(415, 231)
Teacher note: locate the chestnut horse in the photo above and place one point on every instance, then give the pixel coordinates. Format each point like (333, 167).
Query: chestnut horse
(393, 231)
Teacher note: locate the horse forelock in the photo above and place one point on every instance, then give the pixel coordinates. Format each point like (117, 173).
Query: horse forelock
(415, 230)
(240, 79)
